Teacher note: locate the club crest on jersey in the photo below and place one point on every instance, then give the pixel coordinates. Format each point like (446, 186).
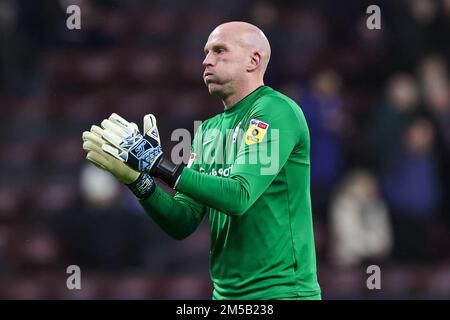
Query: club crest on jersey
(256, 131)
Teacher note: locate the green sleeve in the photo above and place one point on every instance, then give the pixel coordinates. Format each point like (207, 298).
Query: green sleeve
(178, 216)
(249, 179)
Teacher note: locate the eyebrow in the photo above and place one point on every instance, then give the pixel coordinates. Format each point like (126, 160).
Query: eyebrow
(215, 46)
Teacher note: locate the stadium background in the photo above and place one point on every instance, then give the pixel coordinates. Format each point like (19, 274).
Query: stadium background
(377, 103)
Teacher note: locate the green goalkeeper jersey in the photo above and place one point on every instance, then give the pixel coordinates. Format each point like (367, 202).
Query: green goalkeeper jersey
(249, 172)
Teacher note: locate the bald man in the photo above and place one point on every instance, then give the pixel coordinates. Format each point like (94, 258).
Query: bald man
(248, 172)
(237, 55)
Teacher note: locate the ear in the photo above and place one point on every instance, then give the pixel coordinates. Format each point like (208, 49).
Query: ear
(255, 61)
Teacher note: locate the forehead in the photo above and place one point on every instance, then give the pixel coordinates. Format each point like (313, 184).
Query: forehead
(220, 37)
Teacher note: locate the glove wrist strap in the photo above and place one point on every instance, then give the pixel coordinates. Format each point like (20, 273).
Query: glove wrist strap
(167, 171)
(143, 187)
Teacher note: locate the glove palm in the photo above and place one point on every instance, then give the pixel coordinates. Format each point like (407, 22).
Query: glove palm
(93, 143)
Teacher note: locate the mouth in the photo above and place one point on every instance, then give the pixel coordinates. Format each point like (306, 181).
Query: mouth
(208, 77)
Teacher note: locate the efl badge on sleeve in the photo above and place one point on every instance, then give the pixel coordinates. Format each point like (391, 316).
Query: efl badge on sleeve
(256, 131)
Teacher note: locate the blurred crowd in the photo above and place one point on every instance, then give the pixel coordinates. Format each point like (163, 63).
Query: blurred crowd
(377, 104)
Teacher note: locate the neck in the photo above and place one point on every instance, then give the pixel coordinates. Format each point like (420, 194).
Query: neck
(231, 100)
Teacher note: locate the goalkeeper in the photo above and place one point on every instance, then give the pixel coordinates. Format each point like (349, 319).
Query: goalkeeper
(248, 172)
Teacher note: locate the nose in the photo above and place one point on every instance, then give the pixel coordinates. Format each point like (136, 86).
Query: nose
(208, 61)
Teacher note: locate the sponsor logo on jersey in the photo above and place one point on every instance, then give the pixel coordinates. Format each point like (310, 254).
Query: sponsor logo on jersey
(221, 172)
(256, 131)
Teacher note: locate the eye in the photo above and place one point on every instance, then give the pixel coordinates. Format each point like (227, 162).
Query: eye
(220, 50)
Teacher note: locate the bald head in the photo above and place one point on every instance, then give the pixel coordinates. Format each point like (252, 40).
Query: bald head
(236, 58)
(246, 35)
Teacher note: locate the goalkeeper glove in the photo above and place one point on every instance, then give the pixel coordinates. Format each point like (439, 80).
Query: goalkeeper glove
(142, 185)
(143, 153)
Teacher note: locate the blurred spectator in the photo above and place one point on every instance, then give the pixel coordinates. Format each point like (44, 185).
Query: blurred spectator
(422, 26)
(98, 187)
(393, 115)
(323, 108)
(431, 69)
(435, 83)
(359, 221)
(306, 33)
(433, 74)
(411, 184)
(100, 233)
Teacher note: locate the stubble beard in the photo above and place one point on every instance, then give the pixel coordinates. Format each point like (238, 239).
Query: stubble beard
(219, 89)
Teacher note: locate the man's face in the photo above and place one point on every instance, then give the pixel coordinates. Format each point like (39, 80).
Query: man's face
(225, 64)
